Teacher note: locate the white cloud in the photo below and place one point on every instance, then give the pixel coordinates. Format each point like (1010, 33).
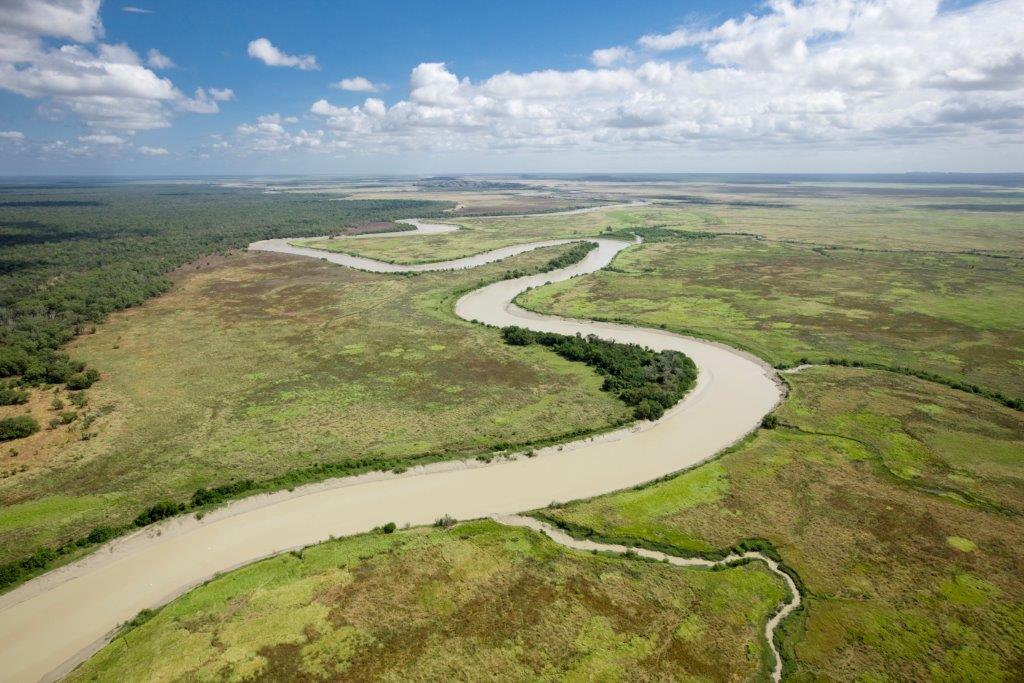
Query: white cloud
(158, 60)
(105, 85)
(669, 41)
(102, 139)
(610, 55)
(835, 73)
(136, 10)
(270, 134)
(74, 19)
(15, 135)
(358, 84)
(222, 94)
(263, 50)
(153, 151)
(201, 103)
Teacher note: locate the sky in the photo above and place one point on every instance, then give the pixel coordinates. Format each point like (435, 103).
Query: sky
(148, 87)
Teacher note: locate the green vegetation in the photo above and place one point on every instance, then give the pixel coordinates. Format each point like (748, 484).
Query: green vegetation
(475, 601)
(71, 256)
(897, 503)
(950, 317)
(259, 372)
(17, 427)
(10, 396)
(650, 381)
(863, 220)
(571, 256)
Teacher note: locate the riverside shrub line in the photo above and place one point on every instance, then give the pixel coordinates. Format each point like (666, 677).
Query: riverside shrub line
(650, 381)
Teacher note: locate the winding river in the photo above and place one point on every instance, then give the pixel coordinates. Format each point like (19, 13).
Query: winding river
(50, 624)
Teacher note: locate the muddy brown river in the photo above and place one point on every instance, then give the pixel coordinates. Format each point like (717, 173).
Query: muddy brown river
(50, 624)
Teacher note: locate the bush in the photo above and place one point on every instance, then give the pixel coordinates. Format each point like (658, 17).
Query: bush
(220, 493)
(17, 427)
(161, 510)
(769, 421)
(10, 396)
(517, 336)
(100, 534)
(389, 528)
(648, 410)
(82, 380)
(445, 522)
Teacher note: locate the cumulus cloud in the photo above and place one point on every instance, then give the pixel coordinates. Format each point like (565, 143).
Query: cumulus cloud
(102, 139)
(222, 94)
(263, 50)
(841, 73)
(274, 133)
(358, 84)
(158, 60)
(106, 85)
(153, 151)
(610, 55)
(74, 19)
(15, 135)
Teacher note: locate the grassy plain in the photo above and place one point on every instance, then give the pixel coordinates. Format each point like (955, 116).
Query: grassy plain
(915, 218)
(955, 315)
(476, 602)
(898, 503)
(259, 365)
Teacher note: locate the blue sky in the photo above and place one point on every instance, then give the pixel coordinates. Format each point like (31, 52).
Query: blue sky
(822, 85)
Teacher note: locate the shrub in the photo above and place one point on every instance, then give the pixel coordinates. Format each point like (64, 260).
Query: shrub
(218, 494)
(769, 421)
(10, 396)
(648, 410)
(445, 522)
(82, 380)
(161, 510)
(17, 427)
(389, 528)
(98, 535)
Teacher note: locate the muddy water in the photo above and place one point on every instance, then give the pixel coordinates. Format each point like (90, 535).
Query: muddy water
(57, 620)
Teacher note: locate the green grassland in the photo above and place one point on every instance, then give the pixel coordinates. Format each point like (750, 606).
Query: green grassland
(261, 366)
(955, 222)
(898, 504)
(476, 602)
(483, 234)
(914, 217)
(956, 315)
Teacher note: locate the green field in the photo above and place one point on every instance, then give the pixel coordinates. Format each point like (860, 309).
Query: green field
(896, 502)
(954, 315)
(476, 602)
(263, 366)
(914, 222)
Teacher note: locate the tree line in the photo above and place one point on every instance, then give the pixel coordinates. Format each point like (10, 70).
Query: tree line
(70, 256)
(650, 381)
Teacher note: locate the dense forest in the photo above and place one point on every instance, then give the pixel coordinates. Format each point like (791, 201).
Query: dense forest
(650, 381)
(71, 255)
